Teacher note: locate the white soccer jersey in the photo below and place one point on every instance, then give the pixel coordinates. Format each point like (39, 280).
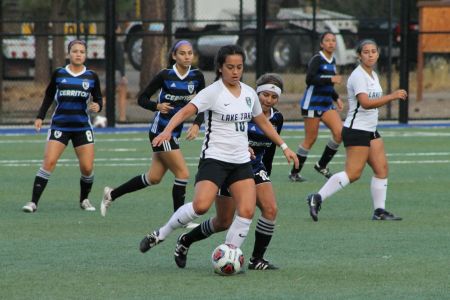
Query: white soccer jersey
(358, 117)
(226, 119)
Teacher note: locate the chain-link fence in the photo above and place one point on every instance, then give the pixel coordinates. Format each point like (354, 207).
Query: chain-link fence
(32, 49)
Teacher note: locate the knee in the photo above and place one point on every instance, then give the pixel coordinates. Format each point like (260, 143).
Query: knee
(337, 137)
(270, 212)
(49, 165)
(153, 179)
(353, 176)
(246, 212)
(382, 172)
(184, 174)
(200, 209)
(87, 171)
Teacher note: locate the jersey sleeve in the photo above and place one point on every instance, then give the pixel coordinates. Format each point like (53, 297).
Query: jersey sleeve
(257, 109)
(270, 153)
(359, 84)
(97, 92)
(205, 99)
(49, 97)
(144, 100)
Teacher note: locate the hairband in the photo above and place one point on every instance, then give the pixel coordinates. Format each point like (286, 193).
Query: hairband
(179, 44)
(269, 87)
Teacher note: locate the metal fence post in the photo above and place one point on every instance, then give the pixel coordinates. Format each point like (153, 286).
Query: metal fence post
(404, 64)
(261, 15)
(110, 62)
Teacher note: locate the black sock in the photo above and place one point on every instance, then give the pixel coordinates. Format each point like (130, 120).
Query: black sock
(132, 185)
(85, 186)
(178, 192)
(40, 182)
(263, 234)
(301, 162)
(327, 156)
(201, 232)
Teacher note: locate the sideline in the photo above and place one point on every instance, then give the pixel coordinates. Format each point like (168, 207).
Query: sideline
(290, 126)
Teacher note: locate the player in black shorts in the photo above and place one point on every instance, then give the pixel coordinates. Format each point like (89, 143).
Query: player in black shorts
(363, 144)
(269, 87)
(177, 85)
(320, 103)
(71, 87)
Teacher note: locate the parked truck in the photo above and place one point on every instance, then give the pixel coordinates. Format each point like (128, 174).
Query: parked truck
(291, 38)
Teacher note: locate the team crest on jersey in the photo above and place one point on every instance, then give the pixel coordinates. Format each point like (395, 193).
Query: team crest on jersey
(85, 84)
(249, 101)
(191, 87)
(57, 134)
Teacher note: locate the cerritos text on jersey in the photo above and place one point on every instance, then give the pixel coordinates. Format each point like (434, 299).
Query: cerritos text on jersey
(237, 117)
(73, 93)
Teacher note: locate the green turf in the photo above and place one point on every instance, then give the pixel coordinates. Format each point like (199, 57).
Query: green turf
(61, 252)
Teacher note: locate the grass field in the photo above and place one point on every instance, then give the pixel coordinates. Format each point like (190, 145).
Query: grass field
(61, 252)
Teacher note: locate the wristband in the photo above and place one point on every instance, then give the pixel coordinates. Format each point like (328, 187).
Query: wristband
(283, 146)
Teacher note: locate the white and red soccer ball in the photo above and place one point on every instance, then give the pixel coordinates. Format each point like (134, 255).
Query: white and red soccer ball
(227, 259)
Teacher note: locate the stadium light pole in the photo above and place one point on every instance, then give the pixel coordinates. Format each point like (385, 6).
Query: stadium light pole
(404, 64)
(110, 62)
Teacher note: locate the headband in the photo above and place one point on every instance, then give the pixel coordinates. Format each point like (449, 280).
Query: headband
(269, 87)
(73, 42)
(179, 44)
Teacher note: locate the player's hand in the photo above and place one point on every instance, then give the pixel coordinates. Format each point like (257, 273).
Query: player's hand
(164, 107)
(94, 107)
(163, 136)
(123, 81)
(252, 153)
(339, 104)
(337, 79)
(400, 94)
(192, 132)
(38, 125)
(290, 155)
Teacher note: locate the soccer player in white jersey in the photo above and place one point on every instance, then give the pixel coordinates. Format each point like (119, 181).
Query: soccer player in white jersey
(362, 142)
(228, 105)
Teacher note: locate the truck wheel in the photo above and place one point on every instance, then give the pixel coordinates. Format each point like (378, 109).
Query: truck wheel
(283, 53)
(135, 52)
(248, 44)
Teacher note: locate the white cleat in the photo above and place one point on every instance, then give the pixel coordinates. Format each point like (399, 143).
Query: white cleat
(106, 201)
(86, 205)
(30, 207)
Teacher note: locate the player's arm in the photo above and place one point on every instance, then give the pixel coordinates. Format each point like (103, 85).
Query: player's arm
(366, 103)
(272, 134)
(144, 100)
(97, 98)
(269, 154)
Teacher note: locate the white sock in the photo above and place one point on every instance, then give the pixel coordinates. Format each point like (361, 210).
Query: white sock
(180, 218)
(336, 183)
(378, 189)
(238, 231)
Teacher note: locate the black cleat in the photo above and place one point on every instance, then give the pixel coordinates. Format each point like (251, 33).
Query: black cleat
(314, 203)
(383, 215)
(181, 251)
(295, 177)
(324, 171)
(150, 241)
(260, 264)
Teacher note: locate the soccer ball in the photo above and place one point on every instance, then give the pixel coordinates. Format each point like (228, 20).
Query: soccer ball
(227, 259)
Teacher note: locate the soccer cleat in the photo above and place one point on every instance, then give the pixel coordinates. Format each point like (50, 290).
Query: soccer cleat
(314, 203)
(106, 201)
(86, 205)
(30, 207)
(181, 251)
(383, 215)
(191, 225)
(150, 241)
(324, 171)
(295, 177)
(260, 264)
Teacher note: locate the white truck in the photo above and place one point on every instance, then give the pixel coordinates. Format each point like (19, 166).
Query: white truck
(19, 52)
(288, 37)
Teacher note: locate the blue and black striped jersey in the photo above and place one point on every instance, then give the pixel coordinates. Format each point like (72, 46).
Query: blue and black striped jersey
(175, 90)
(320, 93)
(262, 146)
(71, 92)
